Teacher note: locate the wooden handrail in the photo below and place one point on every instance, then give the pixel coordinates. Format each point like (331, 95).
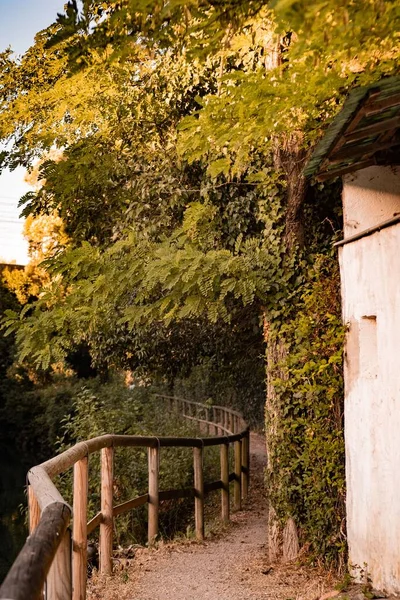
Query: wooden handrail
(26, 577)
(49, 543)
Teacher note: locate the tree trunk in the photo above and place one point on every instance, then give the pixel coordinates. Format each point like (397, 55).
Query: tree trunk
(290, 157)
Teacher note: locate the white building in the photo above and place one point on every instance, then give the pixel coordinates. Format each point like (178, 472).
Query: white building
(363, 146)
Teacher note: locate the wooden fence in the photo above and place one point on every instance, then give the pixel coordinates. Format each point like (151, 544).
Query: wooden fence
(53, 562)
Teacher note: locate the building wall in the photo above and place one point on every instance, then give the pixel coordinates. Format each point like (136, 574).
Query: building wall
(370, 196)
(370, 272)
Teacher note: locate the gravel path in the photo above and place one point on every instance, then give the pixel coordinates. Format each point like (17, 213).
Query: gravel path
(212, 570)
(231, 567)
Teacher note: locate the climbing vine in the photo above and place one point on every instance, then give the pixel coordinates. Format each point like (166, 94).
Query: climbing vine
(306, 475)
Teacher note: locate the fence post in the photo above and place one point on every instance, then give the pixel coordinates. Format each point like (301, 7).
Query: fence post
(198, 492)
(214, 420)
(79, 530)
(59, 578)
(225, 482)
(225, 419)
(244, 469)
(106, 525)
(248, 456)
(34, 510)
(245, 466)
(237, 484)
(231, 426)
(153, 455)
(221, 421)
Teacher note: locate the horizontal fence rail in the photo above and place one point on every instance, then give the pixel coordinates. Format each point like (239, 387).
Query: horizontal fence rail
(53, 562)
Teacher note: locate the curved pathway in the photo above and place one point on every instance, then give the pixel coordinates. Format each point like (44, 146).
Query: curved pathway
(213, 569)
(231, 567)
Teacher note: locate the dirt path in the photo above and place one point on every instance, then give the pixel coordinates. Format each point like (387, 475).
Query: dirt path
(233, 567)
(211, 570)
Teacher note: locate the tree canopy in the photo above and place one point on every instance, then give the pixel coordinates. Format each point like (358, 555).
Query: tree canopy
(179, 124)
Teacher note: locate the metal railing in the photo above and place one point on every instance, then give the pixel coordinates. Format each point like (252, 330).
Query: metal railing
(53, 562)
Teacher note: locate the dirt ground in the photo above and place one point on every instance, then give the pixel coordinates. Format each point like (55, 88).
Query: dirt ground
(229, 566)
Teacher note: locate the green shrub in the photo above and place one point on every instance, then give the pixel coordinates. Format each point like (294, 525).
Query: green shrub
(239, 384)
(113, 408)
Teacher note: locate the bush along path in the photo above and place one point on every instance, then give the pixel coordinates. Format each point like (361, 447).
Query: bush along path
(231, 566)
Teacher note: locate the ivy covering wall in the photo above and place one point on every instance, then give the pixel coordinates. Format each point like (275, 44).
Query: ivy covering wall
(305, 477)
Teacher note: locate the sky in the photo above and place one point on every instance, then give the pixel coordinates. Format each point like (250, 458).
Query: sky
(20, 20)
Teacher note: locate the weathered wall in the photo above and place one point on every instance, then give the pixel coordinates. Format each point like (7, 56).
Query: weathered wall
(370, 271)
(370, 196)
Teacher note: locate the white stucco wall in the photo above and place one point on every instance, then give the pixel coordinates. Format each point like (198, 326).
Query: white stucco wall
(370, 196)
(370, 272)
